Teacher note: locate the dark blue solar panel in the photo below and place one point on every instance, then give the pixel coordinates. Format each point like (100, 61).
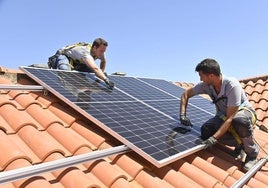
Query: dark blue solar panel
(165, 86)
(139, 89)
(140, 112)
(172, 108)
(77, 86)
(203, 105)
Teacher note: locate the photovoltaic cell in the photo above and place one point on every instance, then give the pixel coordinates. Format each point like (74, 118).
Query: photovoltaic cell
(165, 86)
(139, 89)
(140, 112)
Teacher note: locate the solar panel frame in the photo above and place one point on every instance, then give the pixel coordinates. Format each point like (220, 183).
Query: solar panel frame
(123, 96)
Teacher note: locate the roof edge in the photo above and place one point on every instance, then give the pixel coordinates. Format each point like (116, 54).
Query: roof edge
(254, 79)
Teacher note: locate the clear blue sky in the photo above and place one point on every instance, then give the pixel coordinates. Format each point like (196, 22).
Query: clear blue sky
(147, 38)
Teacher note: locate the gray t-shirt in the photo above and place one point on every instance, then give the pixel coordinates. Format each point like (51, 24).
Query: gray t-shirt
(231, 94)
(80, 52)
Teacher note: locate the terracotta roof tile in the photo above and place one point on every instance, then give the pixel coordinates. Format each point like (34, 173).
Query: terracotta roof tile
(145, 179)
(6, 99)
(23, 118)
(35, 140)
(68, 138)
(45, 100)
(5, 126)
(174, 178)
(31, 182)
(63, 113)
(36, 127)
(12, 151)
(207, 167)
(122, 183)
(74, 177)
(195, 173)
(86, 132)
(128, 166)
(26, 100)
(111, 174)
(44, 117)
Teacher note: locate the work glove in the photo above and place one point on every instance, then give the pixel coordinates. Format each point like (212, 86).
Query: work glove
(109, 83)
(184, 120)
(209, 142)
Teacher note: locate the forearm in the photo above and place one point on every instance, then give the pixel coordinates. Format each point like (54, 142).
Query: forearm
(183, 103)
(99, 73)
(91, 64)
(103, 64)
(188, 93)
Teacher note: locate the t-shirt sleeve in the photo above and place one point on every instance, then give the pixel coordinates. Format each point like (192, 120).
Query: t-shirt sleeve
(201, 88)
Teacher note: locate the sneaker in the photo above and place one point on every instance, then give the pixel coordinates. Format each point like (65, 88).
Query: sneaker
(249, 163)
(239, 154)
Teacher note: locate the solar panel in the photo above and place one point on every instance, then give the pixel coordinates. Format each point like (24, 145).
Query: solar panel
(140, 112)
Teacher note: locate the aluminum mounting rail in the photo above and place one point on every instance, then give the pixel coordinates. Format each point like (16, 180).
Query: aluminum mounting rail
(21, 87)
(16, 174)
(246, 177)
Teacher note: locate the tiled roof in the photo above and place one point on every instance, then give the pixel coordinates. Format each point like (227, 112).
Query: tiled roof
(257, 91)
(36, 127)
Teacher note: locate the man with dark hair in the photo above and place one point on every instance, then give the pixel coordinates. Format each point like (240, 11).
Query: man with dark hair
(81, 57)
(235, 117)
